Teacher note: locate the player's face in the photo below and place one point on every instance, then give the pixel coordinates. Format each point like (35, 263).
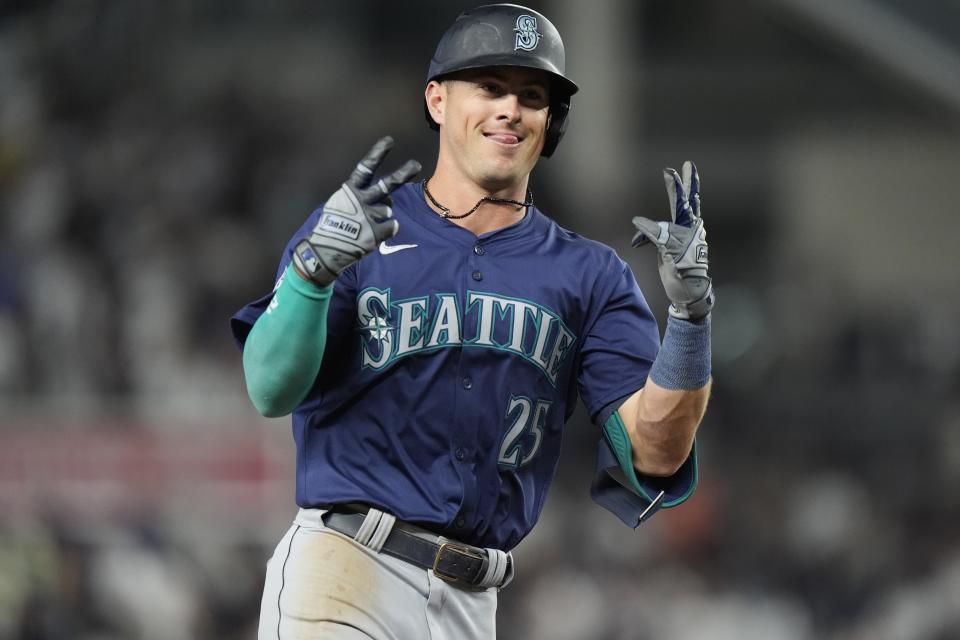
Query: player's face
(494, 122)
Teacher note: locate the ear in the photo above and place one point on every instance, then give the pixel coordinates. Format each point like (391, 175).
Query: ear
(436, 96)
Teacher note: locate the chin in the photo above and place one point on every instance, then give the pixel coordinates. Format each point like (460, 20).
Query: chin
(499, 180)
(501, 175)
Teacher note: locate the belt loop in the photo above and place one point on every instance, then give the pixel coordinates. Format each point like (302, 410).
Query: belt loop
(382, 531)
(375, 529)
(496, 568)
(369, 526)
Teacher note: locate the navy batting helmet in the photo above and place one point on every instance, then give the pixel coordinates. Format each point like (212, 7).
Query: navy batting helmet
(508, 35)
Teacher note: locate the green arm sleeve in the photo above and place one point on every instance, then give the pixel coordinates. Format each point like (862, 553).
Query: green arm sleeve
(282, 354)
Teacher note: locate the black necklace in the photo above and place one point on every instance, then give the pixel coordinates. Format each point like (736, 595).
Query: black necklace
(445, 212)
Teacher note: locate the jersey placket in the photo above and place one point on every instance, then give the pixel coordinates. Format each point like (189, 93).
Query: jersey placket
(464, 441)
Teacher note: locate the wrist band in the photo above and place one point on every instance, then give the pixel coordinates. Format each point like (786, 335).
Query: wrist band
(684, 359)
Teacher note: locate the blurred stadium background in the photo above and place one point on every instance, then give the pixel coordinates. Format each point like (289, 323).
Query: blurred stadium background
(155, 157)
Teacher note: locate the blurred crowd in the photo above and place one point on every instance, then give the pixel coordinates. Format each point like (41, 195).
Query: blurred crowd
(127, 579)
(155, 157)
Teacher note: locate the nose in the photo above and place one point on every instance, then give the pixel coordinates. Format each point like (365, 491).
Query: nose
(509, 108)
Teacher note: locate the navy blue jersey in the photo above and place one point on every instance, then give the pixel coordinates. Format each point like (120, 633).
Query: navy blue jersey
(452, 363)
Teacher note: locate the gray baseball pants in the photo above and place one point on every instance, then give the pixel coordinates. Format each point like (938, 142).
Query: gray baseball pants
(322, 584)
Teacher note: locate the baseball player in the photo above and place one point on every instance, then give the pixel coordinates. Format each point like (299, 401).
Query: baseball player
(431, 339)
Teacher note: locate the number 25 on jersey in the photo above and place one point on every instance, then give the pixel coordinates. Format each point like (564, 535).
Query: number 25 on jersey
(528, 419)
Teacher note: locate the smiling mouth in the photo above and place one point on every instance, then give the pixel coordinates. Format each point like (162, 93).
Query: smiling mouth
(504, 137)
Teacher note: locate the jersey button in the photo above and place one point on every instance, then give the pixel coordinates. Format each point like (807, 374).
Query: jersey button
(479, 250)
(461, 523)
(477, 275)
(459, 453)
(467, 383)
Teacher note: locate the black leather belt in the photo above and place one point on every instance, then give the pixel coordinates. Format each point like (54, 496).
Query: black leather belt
(456, 563)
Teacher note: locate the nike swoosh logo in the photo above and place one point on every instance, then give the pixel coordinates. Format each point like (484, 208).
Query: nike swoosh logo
(387, 249)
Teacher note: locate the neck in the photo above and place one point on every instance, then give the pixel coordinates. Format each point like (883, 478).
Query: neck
(460, 195)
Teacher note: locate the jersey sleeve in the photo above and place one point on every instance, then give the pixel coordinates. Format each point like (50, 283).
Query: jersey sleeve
(620, 345)
(616, 357)
(634, 506)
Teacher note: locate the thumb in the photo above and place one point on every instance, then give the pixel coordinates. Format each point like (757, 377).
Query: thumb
(647, 229)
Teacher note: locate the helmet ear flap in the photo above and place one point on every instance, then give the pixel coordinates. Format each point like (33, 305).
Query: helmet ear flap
(556, 126)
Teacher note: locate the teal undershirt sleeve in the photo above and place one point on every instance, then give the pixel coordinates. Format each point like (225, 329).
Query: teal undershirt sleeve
(282, 354)
(677, 488)
(616, 433)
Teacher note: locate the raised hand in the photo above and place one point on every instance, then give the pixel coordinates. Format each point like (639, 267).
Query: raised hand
(355, 219)
(681, 245)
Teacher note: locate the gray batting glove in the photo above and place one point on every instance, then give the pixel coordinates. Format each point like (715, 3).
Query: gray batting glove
(681, 245)
(355, 219)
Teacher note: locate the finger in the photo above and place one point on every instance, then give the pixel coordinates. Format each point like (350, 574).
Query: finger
(679, 205)
(686, 171)
(674, 189)
(386, 229)
(363, 173)
(379, 212)
(384, 186)
(683, 211)
(666, 261)
(693, 186)
(653, 231)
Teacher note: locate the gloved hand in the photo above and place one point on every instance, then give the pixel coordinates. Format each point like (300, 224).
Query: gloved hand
(355, 219)
(682, 246)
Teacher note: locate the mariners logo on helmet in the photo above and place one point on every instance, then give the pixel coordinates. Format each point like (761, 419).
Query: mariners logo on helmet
(527, 34)
(480, 38)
